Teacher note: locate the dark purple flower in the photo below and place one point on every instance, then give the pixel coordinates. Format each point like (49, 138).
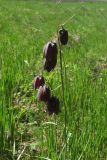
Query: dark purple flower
(38, 81)
(63, 36)
(53, 105)
(44, 93)
(50, 51)
(49, 64)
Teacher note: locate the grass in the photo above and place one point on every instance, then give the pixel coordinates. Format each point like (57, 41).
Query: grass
(26, 131)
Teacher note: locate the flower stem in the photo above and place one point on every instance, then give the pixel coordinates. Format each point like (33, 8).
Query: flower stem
(63, 96)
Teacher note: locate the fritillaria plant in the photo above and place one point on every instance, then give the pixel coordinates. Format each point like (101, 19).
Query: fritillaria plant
(50, 52)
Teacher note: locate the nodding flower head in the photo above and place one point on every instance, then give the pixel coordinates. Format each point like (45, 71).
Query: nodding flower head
(49, 65)
(53, 105)
(44, 93)
(38, 81)
(50, 51)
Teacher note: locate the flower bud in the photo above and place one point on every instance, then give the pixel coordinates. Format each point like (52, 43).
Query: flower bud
(63, 36)
(43, 93)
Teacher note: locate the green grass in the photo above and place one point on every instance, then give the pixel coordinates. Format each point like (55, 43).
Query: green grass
(25, 26)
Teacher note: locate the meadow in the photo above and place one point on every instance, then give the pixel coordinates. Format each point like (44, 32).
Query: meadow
(26, 131)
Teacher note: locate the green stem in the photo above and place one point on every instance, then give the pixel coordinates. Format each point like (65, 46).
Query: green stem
(63, 96)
